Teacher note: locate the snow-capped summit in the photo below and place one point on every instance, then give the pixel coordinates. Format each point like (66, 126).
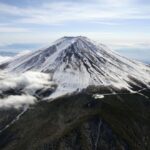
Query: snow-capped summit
(77, 62)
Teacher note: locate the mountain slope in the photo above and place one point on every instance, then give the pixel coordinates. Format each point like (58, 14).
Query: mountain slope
(80, 122)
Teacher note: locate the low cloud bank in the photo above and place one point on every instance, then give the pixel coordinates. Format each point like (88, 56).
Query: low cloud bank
(4, 59)
(17, 101)
(26, 83)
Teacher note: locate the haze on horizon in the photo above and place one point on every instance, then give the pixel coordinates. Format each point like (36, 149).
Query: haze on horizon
(121, 25)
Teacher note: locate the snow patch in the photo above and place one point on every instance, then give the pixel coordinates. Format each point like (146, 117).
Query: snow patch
(98, 96)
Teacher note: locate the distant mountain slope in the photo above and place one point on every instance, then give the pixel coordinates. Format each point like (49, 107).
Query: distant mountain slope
(3, 53)
(6, 56)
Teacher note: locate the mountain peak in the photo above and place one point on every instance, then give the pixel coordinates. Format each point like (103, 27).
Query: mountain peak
(75, 37)
(71, 39)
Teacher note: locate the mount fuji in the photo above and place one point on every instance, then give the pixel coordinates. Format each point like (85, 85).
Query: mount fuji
(74, 63)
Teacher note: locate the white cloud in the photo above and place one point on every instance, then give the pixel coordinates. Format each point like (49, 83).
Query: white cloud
(4, 59)
(8, 29)
(28, 83)
(119, 3)
(60, 12)
(25, 52)
(24, 80)
(17, 101)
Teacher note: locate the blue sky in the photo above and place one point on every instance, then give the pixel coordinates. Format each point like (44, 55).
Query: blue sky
(120, 24)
